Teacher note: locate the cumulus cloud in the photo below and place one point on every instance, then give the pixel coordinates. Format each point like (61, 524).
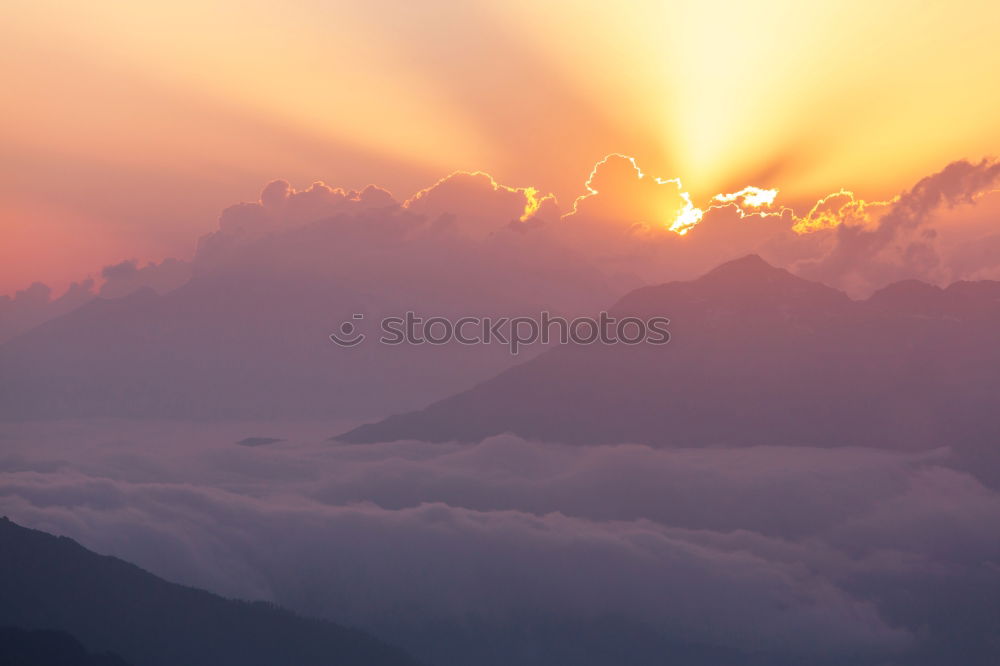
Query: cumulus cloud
(127, 277)
(624, 223)
(35, 305)
(625, 215)
(622, 230)
(466, 244)
(280, 273)
(618, 191)
(791, 550)
(479, 205)
(281, 207)
(875, 245)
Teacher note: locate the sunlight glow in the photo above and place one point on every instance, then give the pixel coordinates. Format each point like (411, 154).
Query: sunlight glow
(749, 196)
(211, 97)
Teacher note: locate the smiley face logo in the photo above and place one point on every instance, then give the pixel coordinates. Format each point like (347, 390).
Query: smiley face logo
(348, 335)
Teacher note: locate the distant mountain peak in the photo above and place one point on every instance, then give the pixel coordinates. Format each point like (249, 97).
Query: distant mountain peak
(908, 287)
(750, 272)
(910, 295)
(749, 266)
(751, 279)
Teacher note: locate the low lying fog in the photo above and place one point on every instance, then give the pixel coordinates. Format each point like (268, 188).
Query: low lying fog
(767, 547)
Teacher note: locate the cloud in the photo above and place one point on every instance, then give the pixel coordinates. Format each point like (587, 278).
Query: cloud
(127, 277)
(35, 305)
(478, 205)
(875, 245)
(281, 207)
(357, 564)
(793, 550)
(281, 272)
(618, 192)
(624, 223)
(466, 244)
(624, 227)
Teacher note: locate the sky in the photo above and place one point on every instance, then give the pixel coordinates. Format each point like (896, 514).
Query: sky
(240, 178)
(128, 126)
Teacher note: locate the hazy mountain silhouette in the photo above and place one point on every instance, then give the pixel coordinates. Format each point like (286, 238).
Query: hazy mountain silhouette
(223, 346)
(247, 336)
(757, 356)
(40, 647)
(49, 582)
(53, 589)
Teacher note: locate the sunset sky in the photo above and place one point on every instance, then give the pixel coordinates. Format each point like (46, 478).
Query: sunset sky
(360, 309)
(129, 126)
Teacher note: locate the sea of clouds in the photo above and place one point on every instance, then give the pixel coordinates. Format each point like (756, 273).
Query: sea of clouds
(796, 550)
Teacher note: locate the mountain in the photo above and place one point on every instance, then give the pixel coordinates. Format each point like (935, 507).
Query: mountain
(53, 583)
(39, 647)
(756, 356)
(248, 335)
(226, 346)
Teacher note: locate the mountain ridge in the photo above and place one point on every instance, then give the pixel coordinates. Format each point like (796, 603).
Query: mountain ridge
(757, 356)
(109, 605)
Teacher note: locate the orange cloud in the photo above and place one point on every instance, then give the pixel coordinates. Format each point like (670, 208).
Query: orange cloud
(478, 202)
(627, 226)
(618, 190)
